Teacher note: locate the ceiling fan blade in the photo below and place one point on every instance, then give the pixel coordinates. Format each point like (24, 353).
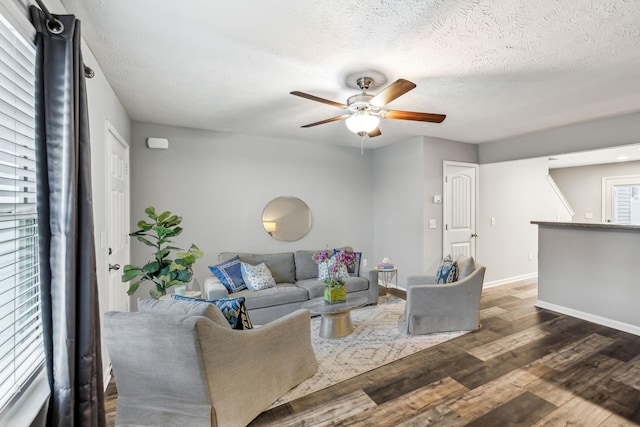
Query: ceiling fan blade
(391, 92)
(333, 119)
(318, 99)
(412, 115)
(375, 132)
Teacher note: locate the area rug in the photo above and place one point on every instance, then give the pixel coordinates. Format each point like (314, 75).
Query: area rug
(379, 338)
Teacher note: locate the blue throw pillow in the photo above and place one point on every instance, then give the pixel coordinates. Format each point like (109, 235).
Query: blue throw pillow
(233, 309)
(448, 271)
(230, 274)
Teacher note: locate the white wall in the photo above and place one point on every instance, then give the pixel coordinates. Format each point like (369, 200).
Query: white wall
(514, 193)
(219, 183)
(582, 186)
(436, 151)
(406, 176)
(397, 201)
(584, 136)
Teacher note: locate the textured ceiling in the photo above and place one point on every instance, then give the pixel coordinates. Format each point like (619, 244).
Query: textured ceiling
(497, 68)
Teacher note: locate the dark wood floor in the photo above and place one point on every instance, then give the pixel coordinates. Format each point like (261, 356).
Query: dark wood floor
(525, 366)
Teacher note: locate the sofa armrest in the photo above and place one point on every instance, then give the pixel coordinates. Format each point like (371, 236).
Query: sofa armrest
(270, 360)
(370, 274)
(421, 279)
(214, 289)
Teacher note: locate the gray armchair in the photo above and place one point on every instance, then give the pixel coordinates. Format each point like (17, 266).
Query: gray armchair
(180, 363)
(444, 307)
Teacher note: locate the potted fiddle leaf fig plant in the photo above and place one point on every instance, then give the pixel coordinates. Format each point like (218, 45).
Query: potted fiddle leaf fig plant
(170, 265)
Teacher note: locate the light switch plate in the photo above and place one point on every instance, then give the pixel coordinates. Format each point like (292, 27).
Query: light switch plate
(432, 223)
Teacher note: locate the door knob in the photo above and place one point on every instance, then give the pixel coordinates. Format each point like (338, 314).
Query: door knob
(114, 267)
(474, 235)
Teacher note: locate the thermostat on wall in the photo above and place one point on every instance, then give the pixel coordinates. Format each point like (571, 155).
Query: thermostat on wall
(159, 143)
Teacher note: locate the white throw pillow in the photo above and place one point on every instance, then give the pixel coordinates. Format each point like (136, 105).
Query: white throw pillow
(257, 277)
(466, 265)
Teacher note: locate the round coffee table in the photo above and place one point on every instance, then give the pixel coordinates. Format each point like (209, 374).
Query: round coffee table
(336, 318)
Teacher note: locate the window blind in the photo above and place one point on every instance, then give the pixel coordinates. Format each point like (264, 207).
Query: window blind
(21, 343)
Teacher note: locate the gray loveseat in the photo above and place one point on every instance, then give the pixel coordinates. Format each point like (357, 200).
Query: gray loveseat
(296, 276)
(179, 363)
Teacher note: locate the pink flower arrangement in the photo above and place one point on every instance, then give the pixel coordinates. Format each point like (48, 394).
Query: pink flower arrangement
(342, 260)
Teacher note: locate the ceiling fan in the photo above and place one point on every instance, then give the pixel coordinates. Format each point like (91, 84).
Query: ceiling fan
(364, 111)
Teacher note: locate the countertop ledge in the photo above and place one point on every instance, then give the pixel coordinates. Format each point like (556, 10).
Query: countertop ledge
(588, 225)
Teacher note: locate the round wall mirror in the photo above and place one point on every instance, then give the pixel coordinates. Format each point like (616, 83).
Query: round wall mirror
(286, 218)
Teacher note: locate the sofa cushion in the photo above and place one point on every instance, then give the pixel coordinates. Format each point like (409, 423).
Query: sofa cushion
(257, 277)
(306, 267)
(230, 274)
(282, 293)
(466, 265)
(282, 265)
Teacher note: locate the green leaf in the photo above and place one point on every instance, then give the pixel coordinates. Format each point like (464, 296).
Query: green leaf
(151, 267)
(193, 250)
(177, 231)
(144, 226)
(156, 293)
(145, 241)
(133, 287)
(184, 276)
(151, 213)
(163, 231)
(131, 274)
(163, 216)
(165, 273)
(177, 265)
(173, 221)
(163, 253)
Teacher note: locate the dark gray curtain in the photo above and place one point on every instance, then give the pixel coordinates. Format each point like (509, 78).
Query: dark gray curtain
(71, 317)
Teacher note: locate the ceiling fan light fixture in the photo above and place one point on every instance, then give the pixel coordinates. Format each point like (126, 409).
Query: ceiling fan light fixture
(362, 122)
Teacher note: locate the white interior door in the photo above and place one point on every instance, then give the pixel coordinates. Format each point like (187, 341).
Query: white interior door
(117, 218)
(459, 209)
(621, 199)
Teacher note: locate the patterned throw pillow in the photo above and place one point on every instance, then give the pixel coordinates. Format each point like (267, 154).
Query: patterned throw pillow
(257, 277)
(230, 274)
(234, 310)
(448, 271)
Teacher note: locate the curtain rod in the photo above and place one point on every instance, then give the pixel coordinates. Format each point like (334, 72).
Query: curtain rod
(56, 27)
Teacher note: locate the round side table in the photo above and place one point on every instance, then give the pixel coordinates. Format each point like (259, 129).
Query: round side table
(386, 275)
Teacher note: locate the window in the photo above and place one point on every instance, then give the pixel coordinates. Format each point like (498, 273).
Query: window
(626, 204)
(21, 344)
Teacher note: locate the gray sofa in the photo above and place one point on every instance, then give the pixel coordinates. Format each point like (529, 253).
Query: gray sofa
(296, 276)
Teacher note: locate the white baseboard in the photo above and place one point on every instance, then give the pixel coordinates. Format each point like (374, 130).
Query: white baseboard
(509, 280)
(604, 321)
(107, 378)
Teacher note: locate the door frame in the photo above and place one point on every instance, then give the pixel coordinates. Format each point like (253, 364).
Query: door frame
(475, 166)
(605, 184)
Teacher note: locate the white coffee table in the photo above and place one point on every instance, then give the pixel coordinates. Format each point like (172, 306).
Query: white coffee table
(336, 318)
